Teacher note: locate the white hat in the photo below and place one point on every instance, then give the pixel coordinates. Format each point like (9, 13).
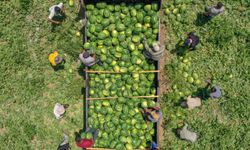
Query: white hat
(156, 46)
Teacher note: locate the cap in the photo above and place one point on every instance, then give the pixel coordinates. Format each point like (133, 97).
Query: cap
(85, 54)
(57, 9)
(58, 60)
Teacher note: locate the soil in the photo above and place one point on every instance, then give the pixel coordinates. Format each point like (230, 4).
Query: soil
(163, 79)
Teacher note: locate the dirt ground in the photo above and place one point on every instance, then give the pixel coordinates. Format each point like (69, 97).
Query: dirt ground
(163, 79)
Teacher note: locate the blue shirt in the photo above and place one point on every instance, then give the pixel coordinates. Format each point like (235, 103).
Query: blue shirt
(217, 93)
(150, 118)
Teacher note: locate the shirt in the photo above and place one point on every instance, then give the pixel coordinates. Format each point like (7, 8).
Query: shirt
(213, 11)
(151, 53)
(59, 110)
(188, 135)
(89, 61)
(85, 143)
(217, 93)
(155, 116)
(52, 57)
(193, 102)
(195, 40)
(52, 10)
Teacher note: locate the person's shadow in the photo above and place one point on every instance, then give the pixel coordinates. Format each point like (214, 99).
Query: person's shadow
(59, 66)
(180, 50)
(202, 93)
(60, 18)
(201, 19)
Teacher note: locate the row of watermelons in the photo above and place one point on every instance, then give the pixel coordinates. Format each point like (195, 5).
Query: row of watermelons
(125, 85)
(115, 32)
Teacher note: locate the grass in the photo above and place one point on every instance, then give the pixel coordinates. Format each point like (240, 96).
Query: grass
(29, 87)
(221, 56)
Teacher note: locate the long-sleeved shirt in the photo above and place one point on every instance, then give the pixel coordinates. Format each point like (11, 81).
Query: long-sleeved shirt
(213, 11)
(188, 135)
(216, 93)
(153, 54)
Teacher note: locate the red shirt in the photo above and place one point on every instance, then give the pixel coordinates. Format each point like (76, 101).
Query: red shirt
(85, 143)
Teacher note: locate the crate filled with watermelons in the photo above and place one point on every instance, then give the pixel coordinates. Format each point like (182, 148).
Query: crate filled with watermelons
(116, 31)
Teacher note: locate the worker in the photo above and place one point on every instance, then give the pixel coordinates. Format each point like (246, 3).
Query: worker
(191, 41)
(191, 103)
(89, 59)
(154, 53)
(86, 143)
(60, 109)
(65, 144)
(215, 92)
(153, 146)
(55, 60)
(186, 134)
(57, 13)
(214, 10)
(152, 114)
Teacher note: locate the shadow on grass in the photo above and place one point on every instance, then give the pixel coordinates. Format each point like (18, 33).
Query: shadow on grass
(201, 19)
(59, 67)
(81, 71)
(57, 18)
(179, 49)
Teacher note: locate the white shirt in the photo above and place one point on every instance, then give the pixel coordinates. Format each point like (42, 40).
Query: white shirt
(89, 61)
(52, 10)
(58, 110)
(193, 102)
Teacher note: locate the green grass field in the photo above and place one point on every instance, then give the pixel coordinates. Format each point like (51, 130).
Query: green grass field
(29, 87)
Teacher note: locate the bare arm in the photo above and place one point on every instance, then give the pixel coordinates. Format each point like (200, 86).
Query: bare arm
(63, 11)
(94, 55)
(146, 44)
(53, 21)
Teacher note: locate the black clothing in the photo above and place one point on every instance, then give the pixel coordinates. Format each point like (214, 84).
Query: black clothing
(195, 40)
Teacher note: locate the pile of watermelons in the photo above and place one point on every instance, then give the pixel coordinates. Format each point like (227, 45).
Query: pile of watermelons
(121, 123)
(116, 32)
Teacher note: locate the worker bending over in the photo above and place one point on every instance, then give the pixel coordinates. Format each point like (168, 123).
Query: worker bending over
(55, 60)
(89, 59)
(187, 134)
(86, 143)
(191, 103)
(214, 10)
(57, 13)
(60, 109)
(65, 144)
(152, 114)
(155, 52)
(191, 41)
